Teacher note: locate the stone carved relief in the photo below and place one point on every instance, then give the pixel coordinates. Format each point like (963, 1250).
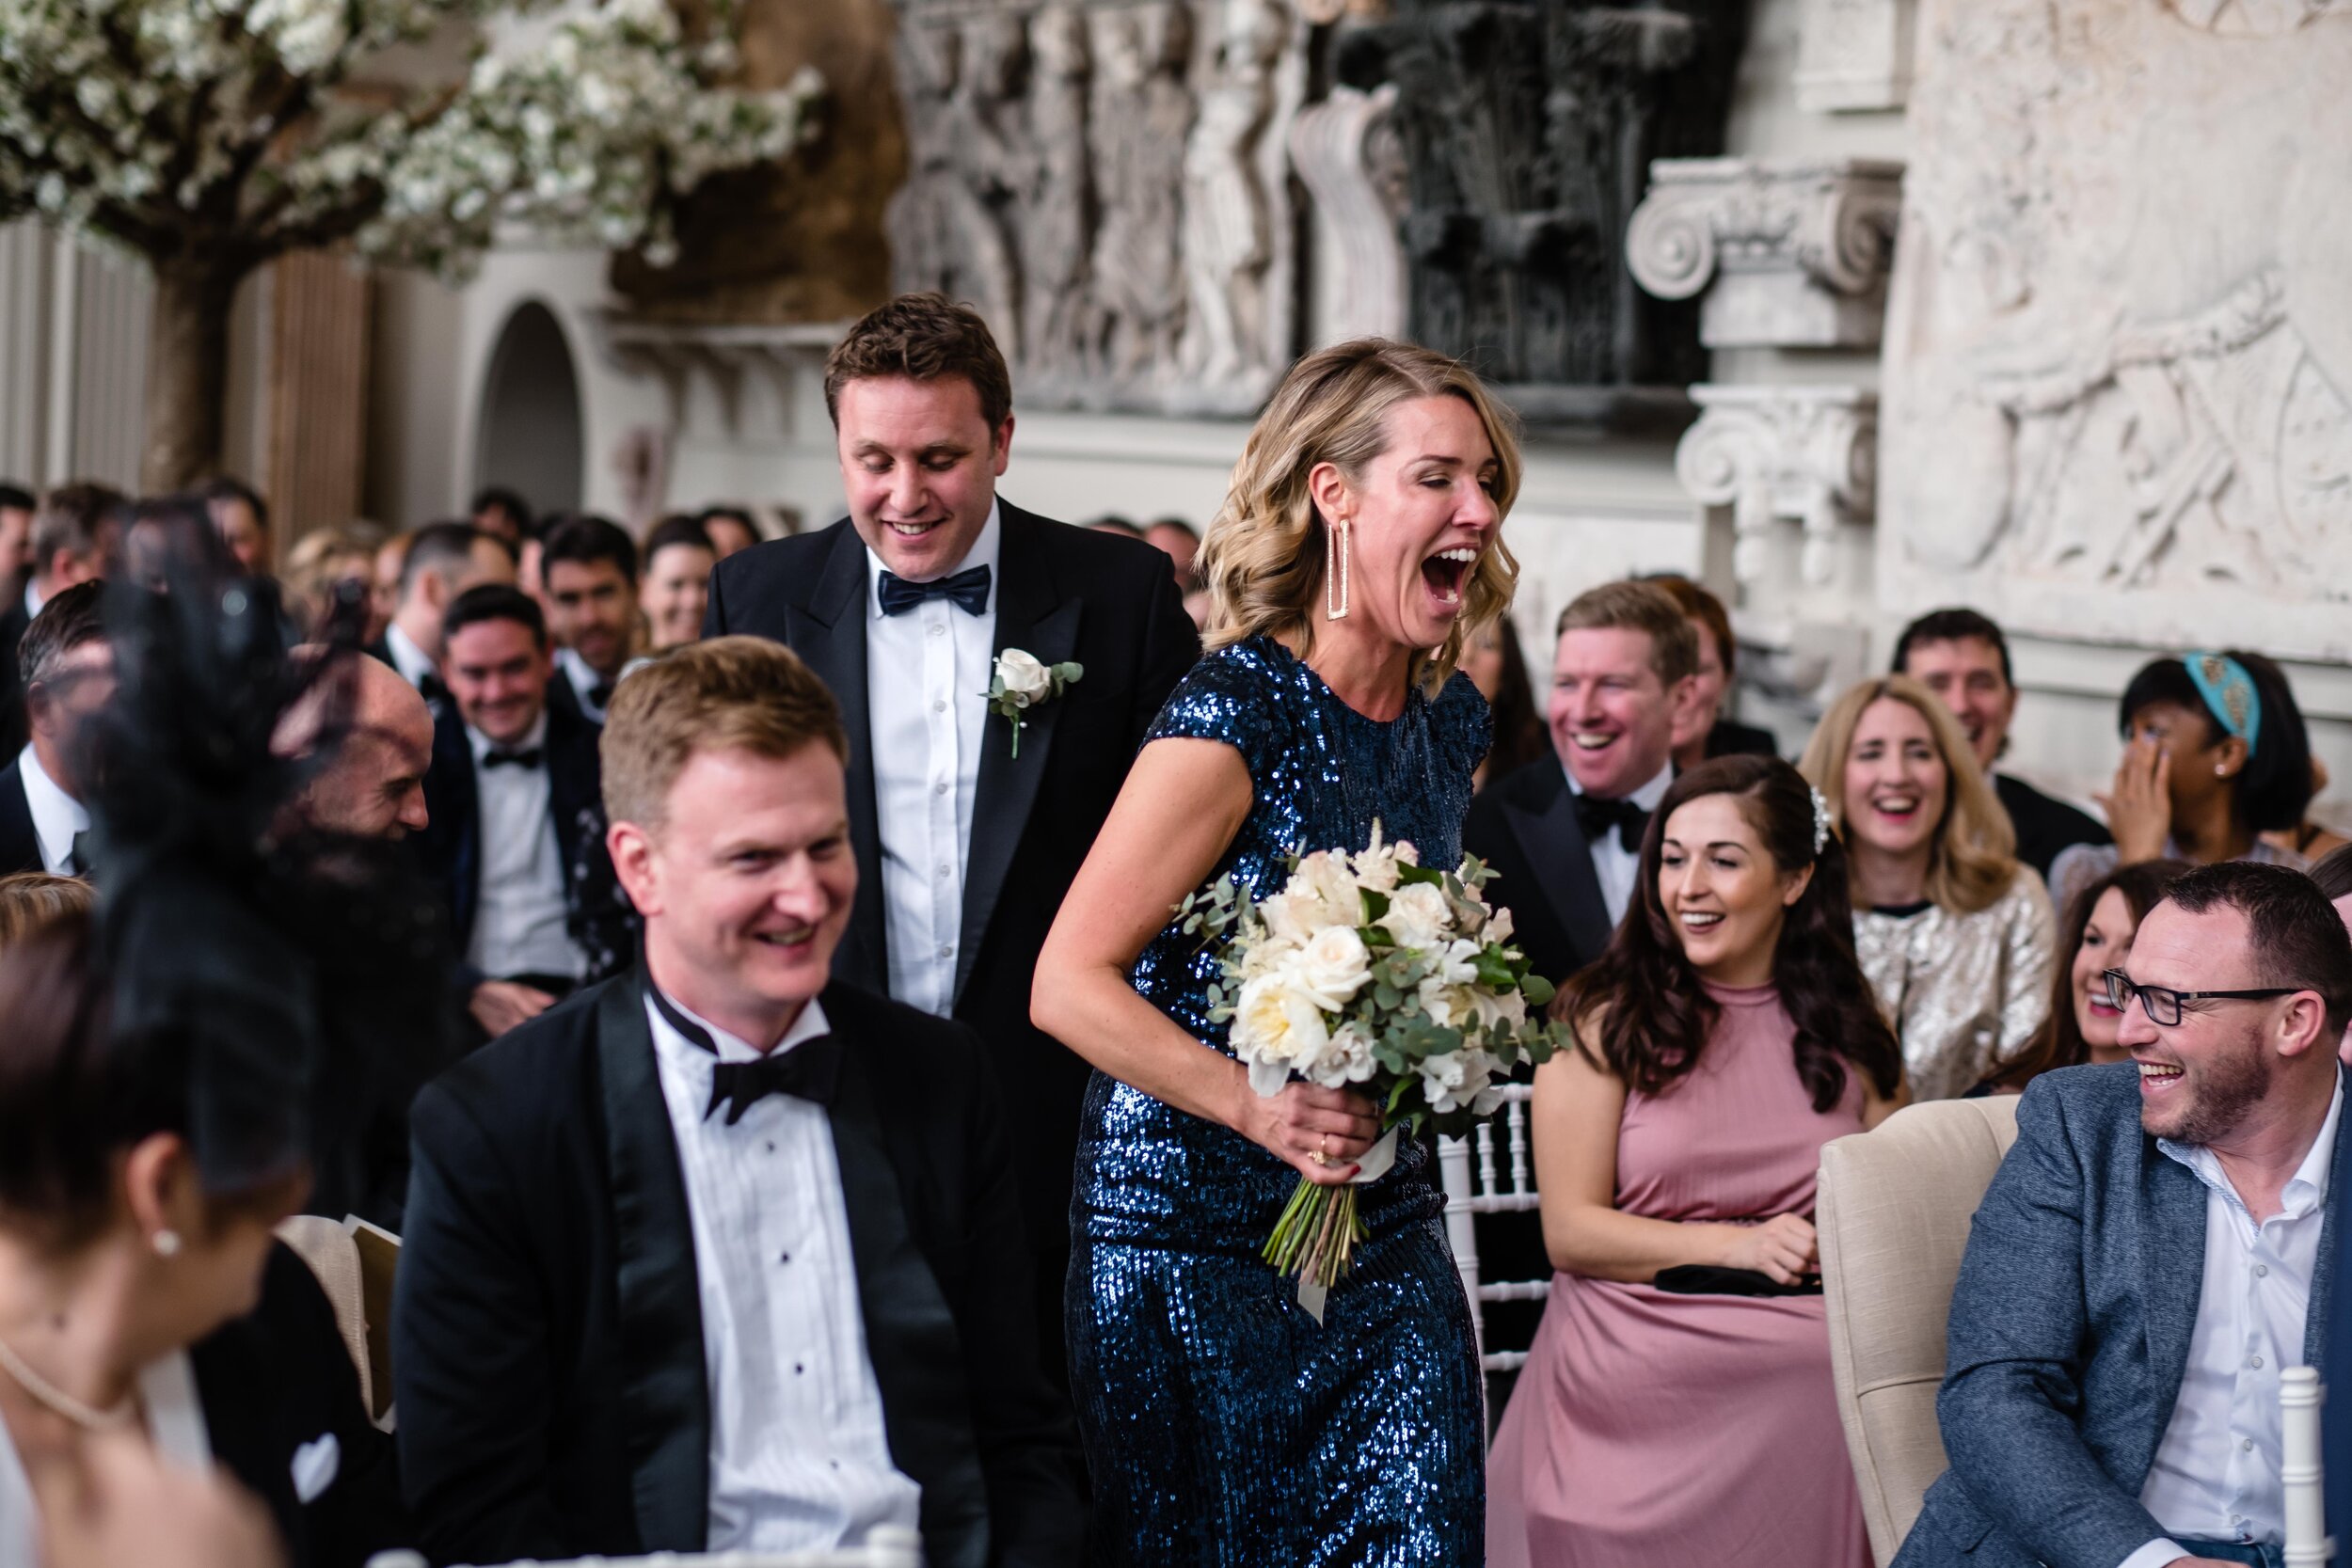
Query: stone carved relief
(1787, 254)
(2262, 18)
(1108, 181)
(1527, 132)
(1345, 151)
(1856, 55)
(2119, 375)
(1806, 453)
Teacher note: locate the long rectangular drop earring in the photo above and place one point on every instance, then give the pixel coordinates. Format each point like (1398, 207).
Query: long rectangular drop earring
(1335, 564)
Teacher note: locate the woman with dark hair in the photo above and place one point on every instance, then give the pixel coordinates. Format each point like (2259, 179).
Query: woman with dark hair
(676, 584)
(1498, 668)
(2215, 756)
(1725, 1035)
(2095, 938)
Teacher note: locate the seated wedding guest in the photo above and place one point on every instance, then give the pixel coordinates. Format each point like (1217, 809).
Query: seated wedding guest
(1724, 1037)
(376, 741)
(68, 669)
(2307, 838)
(241, 517)
(2215, 756)
(443, 560)
(76, 536)
(325, 565)
(32, 901)
(1957, 937)
(503, 511)
(1709, 731)
(17, 506)
(626, 1322)
(589, 566)
(1564, 833)
(514, 830)
(2095, 937)
(1498, 668)
(1963, 657)
(730, 528)
(164, 533)
(2156, 1247)
(115, 1500)
(676, 587)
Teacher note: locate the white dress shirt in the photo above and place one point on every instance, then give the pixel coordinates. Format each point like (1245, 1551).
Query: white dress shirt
(33, 600)
(519, 923)
(2215, 1476)
(1618, 867)
(175, 1422)
(57, 815)
(410, 660)
(927, 672)
(799, 1458)
(584, 680)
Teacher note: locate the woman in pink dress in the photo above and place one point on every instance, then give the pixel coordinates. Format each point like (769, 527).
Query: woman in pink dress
(1725, 1035)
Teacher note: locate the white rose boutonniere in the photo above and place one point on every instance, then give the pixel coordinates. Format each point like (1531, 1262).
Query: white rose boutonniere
(1023, 681)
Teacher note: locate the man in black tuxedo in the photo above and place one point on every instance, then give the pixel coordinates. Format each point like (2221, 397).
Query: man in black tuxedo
(965, 845)
(74, 537)
(514, 830)
(443, 561)
(68, 672)
(1963, 657)
(723, 1254)
(588, 572)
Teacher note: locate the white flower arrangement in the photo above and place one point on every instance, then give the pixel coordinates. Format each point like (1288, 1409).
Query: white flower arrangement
(1022, 681)
(1374, 972)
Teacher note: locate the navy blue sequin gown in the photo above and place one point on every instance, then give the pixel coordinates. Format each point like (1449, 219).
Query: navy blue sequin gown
(1223, 1426)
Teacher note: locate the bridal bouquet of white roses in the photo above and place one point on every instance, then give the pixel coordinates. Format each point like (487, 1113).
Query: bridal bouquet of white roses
(1375, 973)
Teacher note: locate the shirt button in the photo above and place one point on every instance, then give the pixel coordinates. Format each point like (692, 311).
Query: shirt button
(946, 870)
(939, 704)
(940, 788)
(2247, 1445)
(938, 630)
(948, 950)
(2261, 1270)
(2256, 1363)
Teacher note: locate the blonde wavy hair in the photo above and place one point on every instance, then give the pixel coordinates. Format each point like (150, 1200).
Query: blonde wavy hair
(1262, 560)
(1975, 857)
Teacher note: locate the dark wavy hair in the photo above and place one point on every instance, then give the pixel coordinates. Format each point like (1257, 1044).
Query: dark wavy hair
(2274, 789)
(2059, 1041)
(1643, 997)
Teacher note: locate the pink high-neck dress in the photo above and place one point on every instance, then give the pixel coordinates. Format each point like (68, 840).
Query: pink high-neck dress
(1650, 1430)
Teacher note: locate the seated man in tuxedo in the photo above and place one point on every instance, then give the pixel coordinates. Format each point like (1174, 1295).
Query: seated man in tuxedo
(377, 733)
(2157, 1247)
(443, 561)
(1563, 835)
(722, 1255)
(1964, 659)
(515, 835)
(75, 536)
(67, 670)
(588, 570)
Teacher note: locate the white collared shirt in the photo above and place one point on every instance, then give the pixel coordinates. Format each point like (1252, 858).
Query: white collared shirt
(799, 1457)
(410, 660)
(1617, 867)
(33, 600)
(57, 815)
(927, 672)
(175, 1420)
(519, 925)
(2215, 1476)
(584, 680)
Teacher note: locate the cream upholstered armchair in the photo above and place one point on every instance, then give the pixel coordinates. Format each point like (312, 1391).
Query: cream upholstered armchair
(1893, 1214)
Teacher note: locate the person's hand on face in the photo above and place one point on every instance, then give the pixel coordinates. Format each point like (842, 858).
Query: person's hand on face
(498, 674)
(1419, 519)
(1965, 675)
(2140, 803)
(1611, 718)
(919, 466)
(1897, 785)
(2107, 944)
(589, 603)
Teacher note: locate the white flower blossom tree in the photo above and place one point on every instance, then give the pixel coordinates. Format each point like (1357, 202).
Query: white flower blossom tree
(209, 136)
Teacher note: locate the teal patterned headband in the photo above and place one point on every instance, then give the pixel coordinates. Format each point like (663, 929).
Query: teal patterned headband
(2228, 693)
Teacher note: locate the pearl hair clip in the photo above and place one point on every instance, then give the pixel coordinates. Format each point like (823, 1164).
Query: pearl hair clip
(1820, 821)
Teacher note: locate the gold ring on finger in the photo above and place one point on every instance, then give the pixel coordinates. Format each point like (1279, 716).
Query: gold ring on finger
(1319, 1156)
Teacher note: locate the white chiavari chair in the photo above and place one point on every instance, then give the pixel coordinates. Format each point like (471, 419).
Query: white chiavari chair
(1481, 1179)
(2307, 1542)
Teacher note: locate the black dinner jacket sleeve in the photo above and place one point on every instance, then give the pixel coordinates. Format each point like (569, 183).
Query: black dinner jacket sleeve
(2046, 826)
(20, 845)
(280, 1379)
(1538, 883)
(15, 726)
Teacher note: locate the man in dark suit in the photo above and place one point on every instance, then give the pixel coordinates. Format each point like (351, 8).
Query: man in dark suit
(1964, 659)
(967, 827)
(443, 561)
(74, 538)
(588, 570)
(514, 830)
(722, 1254)
(2158, 1246)
(1563, 835)
(68, 671)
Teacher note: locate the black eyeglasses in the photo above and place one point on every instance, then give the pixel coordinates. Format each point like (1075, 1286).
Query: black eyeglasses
(2164, 1003)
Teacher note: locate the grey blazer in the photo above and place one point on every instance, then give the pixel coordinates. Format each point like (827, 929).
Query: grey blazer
(2070, 1334)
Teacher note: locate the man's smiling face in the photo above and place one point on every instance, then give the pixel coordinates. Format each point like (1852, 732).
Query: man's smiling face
(919, 466)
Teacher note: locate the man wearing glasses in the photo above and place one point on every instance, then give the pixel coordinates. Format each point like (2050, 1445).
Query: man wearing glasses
(2156, 1247)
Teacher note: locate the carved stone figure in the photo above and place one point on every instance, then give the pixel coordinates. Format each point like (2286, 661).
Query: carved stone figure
(1227, 229)
(1056, 211)
(1345, 151)
(1142, 114)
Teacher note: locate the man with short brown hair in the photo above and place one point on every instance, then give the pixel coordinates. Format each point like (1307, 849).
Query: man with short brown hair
(967, 829)
(723, 1254)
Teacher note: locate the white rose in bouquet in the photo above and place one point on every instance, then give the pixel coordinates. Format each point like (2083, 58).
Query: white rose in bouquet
(1499, 926)
(1418, 916)
(1276, 1026)
(1377, 868)
(1332, 967)
(1459, 1079)
(1349, 1058)
(1027, 679)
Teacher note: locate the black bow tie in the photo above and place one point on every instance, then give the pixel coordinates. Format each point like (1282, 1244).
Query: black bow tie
(432, 687)
(599, 696)
(1596, 816)
(83, 856)
(529, 758)
(807, 1071)
(967, 591)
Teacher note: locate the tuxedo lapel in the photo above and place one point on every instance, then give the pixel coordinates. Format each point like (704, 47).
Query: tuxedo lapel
(664, 1397)
(20, 845)
(2324, 1267)
(910, 1335)
(2172, 1256)
(829, 634)
(1031, 615)
(1562, 863)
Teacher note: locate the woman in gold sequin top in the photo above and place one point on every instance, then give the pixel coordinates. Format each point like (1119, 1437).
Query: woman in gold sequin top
(1955, 934)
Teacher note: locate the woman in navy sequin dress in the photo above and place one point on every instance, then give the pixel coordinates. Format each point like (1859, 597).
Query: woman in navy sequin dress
(1356, 549)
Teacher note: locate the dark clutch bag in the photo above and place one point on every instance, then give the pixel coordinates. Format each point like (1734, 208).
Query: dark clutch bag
(1706, 1279)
